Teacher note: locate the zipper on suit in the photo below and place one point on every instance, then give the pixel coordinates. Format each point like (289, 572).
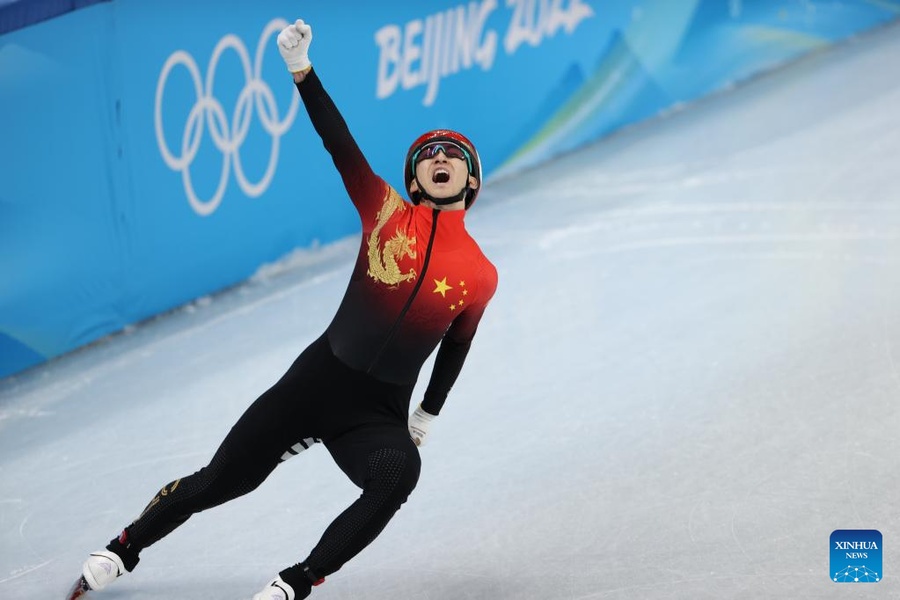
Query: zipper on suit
(412, 295)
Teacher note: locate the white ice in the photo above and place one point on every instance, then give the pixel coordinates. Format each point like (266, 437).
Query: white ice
(688, 379)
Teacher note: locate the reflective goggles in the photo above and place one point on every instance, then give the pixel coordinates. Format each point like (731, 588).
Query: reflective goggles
(450, 150)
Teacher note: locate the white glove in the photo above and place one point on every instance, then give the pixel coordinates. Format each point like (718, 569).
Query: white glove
(293, 43)
(277, 590)
(419, 422)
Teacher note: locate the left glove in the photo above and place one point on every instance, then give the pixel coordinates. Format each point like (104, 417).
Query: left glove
(293, 44)
(419, 422)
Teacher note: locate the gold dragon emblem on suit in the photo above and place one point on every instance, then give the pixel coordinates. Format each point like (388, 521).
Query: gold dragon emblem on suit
(384, 258)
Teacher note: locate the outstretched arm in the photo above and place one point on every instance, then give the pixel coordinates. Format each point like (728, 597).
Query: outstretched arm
(366, 189)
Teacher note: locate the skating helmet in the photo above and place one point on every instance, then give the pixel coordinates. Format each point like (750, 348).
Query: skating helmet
(455, 139)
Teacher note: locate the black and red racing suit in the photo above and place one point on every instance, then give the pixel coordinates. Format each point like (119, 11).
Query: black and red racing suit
(419, 280)
(419, 277)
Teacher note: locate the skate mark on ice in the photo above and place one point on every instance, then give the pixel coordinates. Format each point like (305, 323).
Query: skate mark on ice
(690, 523)
(895, 372)
(734, 533)
(25, 413)
(729, 240)
(24, 571)
(611, 221)
(26, 543)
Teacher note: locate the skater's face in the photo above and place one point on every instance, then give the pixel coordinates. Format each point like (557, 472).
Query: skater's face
(442, 170)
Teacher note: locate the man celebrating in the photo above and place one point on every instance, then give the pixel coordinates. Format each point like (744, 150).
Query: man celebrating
(419, 281)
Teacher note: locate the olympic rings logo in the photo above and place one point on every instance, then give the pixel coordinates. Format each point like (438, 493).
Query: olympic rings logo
(228, 137)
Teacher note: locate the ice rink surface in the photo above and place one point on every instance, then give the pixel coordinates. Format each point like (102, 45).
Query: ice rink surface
(688, 379)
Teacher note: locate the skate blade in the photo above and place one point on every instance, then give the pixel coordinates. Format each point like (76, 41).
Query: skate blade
(79, 590)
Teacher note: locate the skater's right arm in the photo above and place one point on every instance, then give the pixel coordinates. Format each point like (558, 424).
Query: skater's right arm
(366, 189)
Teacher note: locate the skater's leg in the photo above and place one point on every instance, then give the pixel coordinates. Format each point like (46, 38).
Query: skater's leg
(233, 471)
(385, 463)
(264, 434)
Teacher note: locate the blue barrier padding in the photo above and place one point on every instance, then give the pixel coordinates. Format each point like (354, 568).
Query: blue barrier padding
(16, 14)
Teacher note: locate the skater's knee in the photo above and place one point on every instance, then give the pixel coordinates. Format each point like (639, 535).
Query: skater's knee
(393, 472)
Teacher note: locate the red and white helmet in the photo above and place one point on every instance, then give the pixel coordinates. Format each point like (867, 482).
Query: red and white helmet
(442, 135)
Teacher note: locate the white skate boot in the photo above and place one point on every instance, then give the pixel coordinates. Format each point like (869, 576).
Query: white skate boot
(101, 568)
(277, 590)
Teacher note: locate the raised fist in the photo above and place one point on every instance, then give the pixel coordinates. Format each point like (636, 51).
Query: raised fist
(293, 44)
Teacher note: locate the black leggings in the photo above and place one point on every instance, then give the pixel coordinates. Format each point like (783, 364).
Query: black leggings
(362, 422)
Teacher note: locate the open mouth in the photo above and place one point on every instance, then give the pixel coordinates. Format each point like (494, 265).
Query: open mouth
(440, 176)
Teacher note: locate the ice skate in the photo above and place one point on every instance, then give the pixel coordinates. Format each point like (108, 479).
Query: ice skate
(79, 589)
(99, 570)
(277, 590)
